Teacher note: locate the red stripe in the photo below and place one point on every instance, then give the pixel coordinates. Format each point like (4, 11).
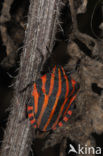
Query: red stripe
(36, 98)
(43, 83)
(46, 98)
(72, 99)
(66, 98)
(56, 101)
(65, 119)
(29, 108)
(73, 85)
(60, 124)
(70, 112)
(35, 126)
(30, 115)
(32, 121)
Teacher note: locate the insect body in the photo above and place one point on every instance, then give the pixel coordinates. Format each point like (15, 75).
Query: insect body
(51, 100)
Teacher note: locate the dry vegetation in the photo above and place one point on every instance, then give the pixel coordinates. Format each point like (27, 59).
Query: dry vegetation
(72, 30)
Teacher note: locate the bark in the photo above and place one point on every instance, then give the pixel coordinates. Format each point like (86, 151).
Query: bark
(40, 33)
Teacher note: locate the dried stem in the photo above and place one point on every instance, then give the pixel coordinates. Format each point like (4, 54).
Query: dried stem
(40, 33)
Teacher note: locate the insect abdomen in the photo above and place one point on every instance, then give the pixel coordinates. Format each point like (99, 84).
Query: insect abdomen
(53, 95)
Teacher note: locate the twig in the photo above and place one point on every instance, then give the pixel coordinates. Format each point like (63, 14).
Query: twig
(63, 147)
(87, 40)
(73, 15)
(41, 27)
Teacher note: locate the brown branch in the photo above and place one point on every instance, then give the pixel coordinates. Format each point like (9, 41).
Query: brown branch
(90, 42)
(63, 147)
(5, 12)
(5, 17)
(83, 7)
(73, 15)
(41, 27)
(11, 47)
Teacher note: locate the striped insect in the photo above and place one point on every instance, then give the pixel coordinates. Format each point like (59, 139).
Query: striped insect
(51, 102)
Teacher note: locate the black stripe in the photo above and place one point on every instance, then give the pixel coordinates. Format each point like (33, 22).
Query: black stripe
(77, 86)
(41, 97)
(66, 105)
(31, 101)
(70, 86)
(61, 119)
(51, 101)
(39, 85)
(72, 105)
(63, 122)
(70, 91)
(68, 116)
(30, 111)
(31, 104)
(47, 85)
(60, 101)
(31, 118)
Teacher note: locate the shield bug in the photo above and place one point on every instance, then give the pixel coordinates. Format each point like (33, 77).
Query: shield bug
(52, 97)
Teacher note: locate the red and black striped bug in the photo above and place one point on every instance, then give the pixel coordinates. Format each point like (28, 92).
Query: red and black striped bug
(50, 105)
